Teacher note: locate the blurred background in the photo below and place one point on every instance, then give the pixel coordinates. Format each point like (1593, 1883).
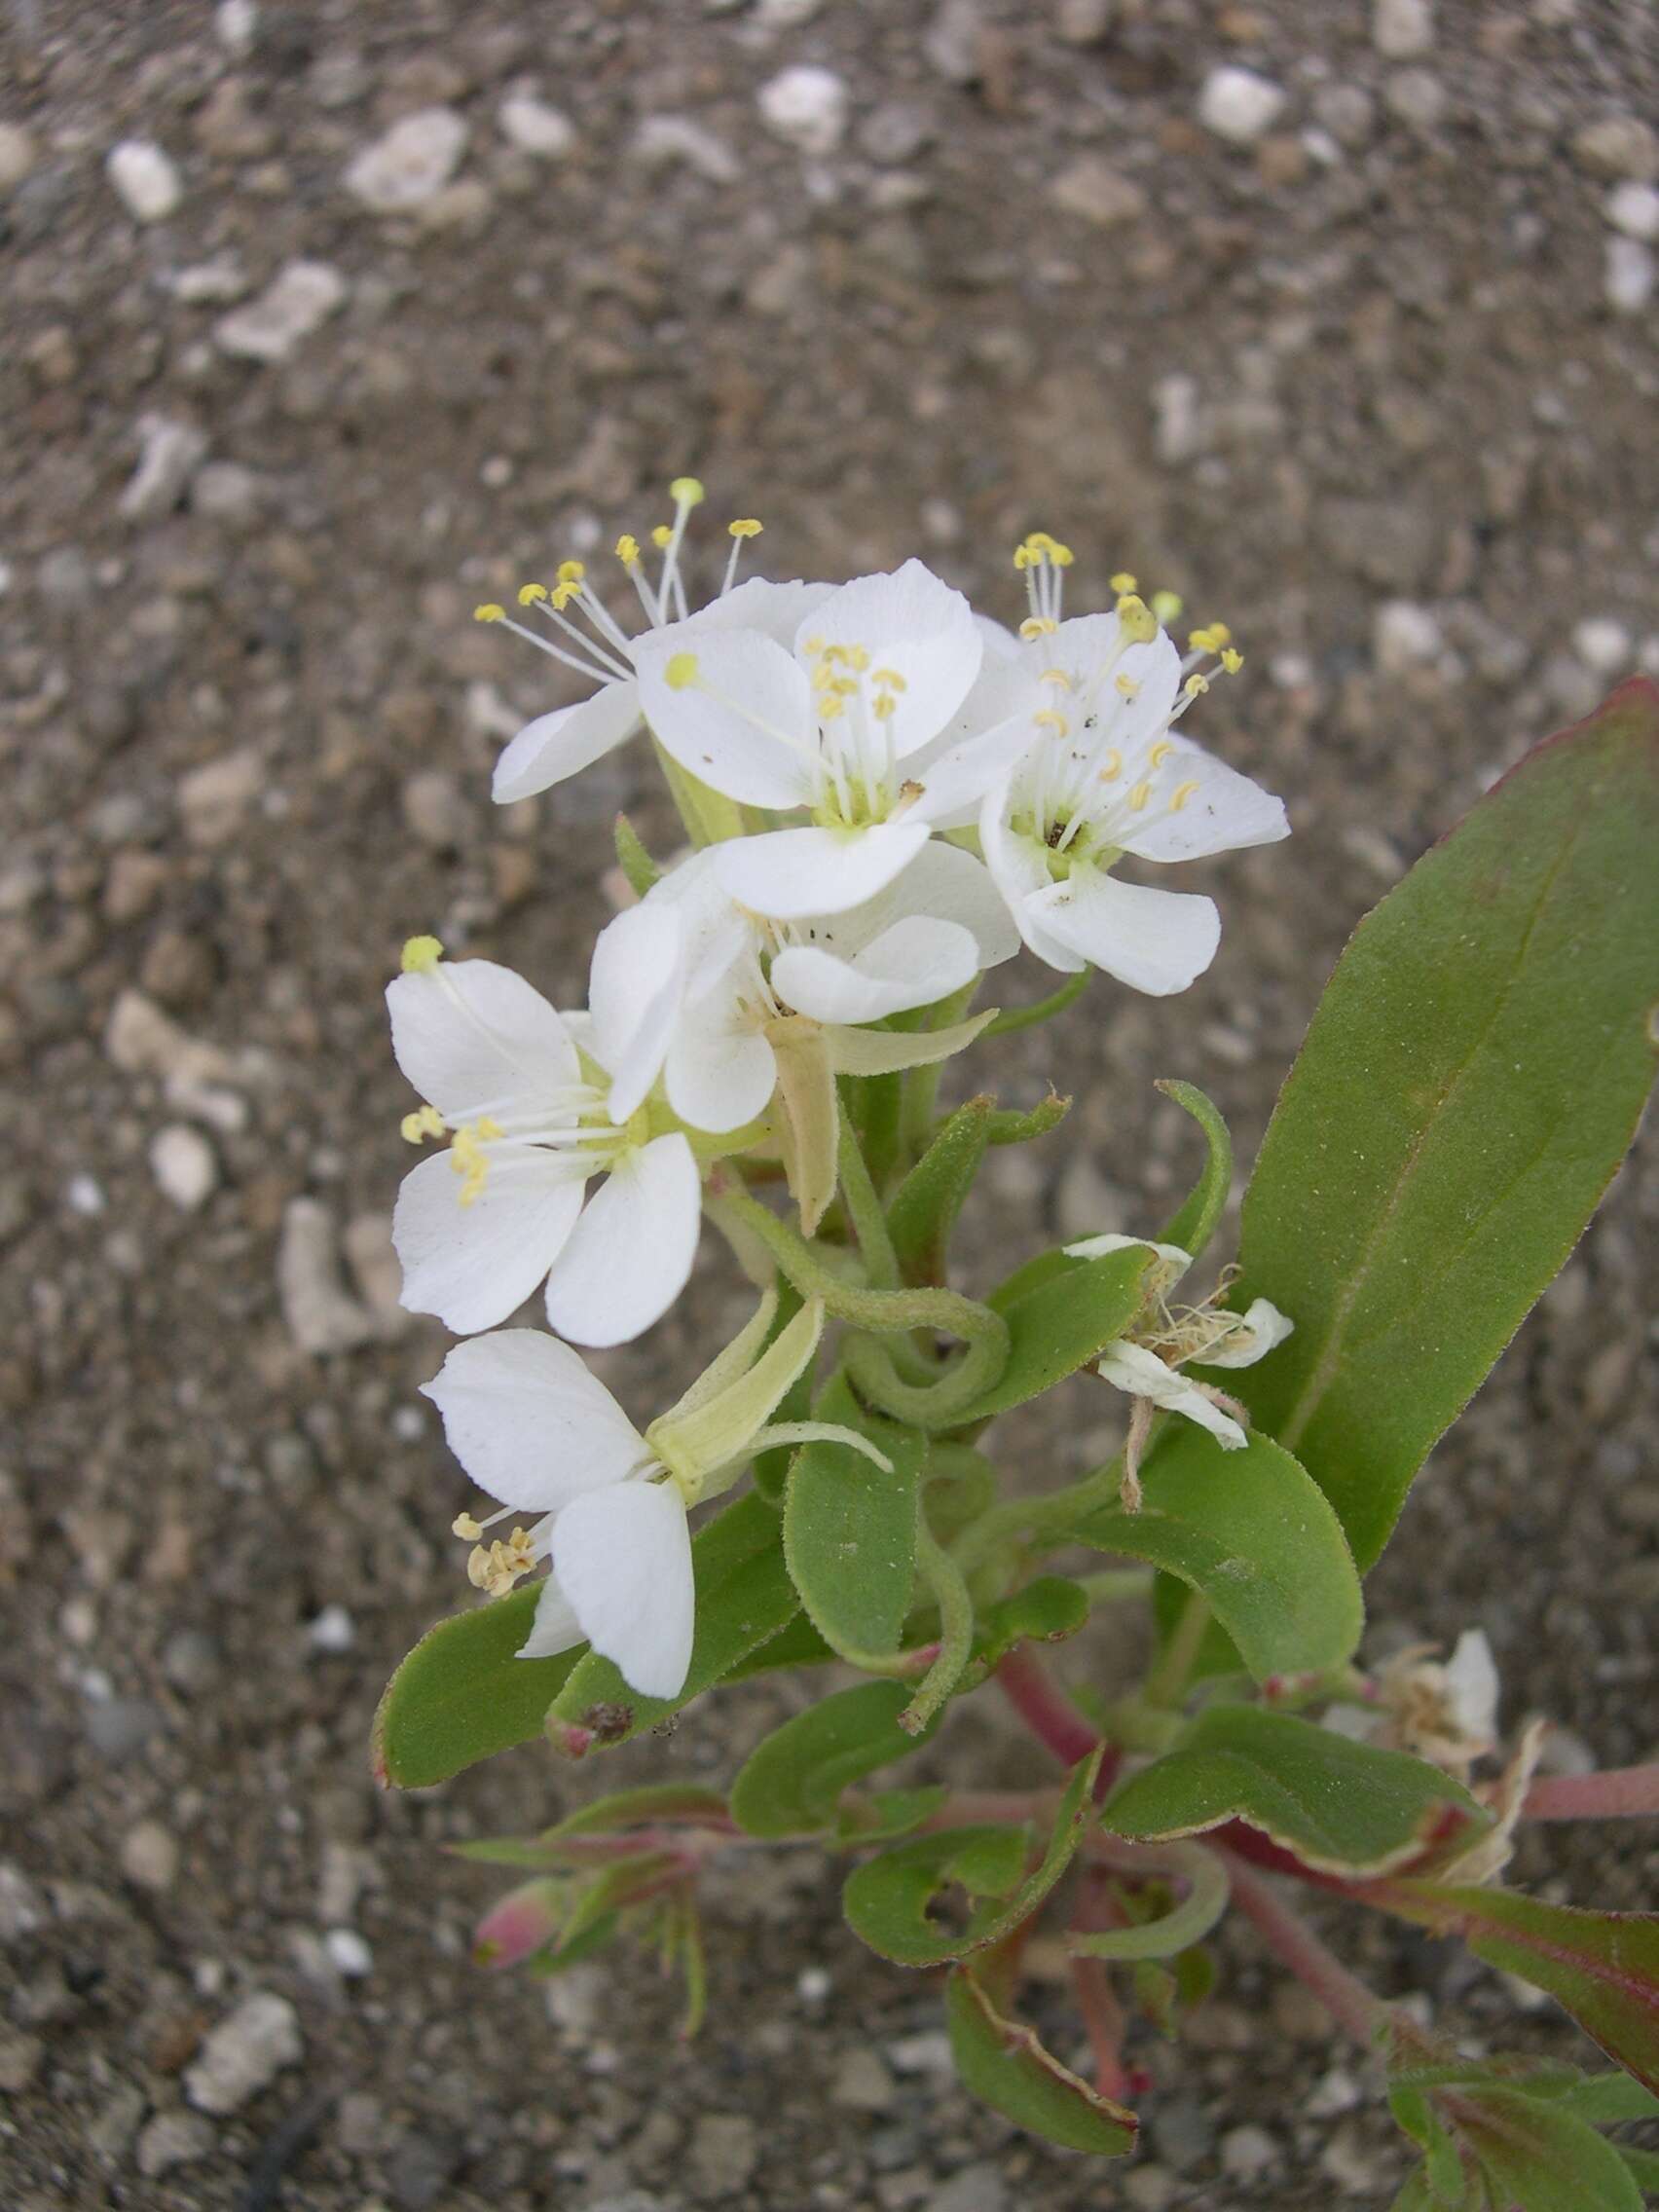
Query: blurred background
(323, 322)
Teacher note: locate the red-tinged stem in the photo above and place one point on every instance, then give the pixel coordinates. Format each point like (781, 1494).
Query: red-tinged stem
(994, 1808)
(1096, 1999)
(1044, 1707)
(1619, 1794)
(1353, 2006)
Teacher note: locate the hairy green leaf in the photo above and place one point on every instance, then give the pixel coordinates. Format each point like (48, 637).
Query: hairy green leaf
(1046, 1611)
(1066, 1316)
(1469, 1085)
(1543, 2158)
(464, 1694)
(850, 1531)
(792, 1784)
(1194, 1223)
(925, 1207)
(1005, 2064)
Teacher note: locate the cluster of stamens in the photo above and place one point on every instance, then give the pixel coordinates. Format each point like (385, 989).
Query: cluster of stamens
(494, 1567)
(1180, 1333)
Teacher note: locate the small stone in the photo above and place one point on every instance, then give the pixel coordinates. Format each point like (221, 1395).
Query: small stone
(978, 2188)
(1085, 22)
(1603, 645)
(235, 23)
(1335, 2091)
(322, 1316)
(212, 800)
(862, 2083)
(1181, 2130)
(419, 2169)
(894, 132)
(1178, 424)
(1630, 276)
(119, 1727)
(1347, 112)
(168, 454)
(1238, 105)
(209, 284)
(149, 1857)
(1414, 97)
(1618, 146)
(183, 1163)
(1151, 2189)
(1634, 210)
(723, 2153)
(21, 2058)
(23, 1908)
(227, 492)
(174, 2139)
(434, 810)
(1090, 187)
(110, 2131)
(377, 1274)
(349, 1955)
(805, 107)
(1404, 635)
(244, 2054)
(1402, 29)
(145, 178)
(927, 2052)
(534, 128)
(413, 161)
(192, 1661)
(786, 14)
(1247, 2151)
(953, 42)
(17, 155)
(333, 1631)
(299, 302)
(663, 140)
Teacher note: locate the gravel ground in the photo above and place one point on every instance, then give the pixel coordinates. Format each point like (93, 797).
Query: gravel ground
(325, 321)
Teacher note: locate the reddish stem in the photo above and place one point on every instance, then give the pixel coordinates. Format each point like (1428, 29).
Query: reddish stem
(1353, 2006)
(1044, 1706)
(1096, 1999)
(1618, 1793)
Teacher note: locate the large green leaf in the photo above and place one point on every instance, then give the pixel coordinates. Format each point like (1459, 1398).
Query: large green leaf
(464, 1693)
(792, 1784)
(1338, 1805)
(1542, 2159)
(744, 1597)
(1067, 1313)
(1003, 2063)
(1253, 1533)
(850, 1531)
(1468, 1086)
(1193, 1225)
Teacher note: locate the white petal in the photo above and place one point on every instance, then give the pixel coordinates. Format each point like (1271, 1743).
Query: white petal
(1226, 811)
(744, 724)
(628, 1257)
(918, 962)
(949, 885)
(1473, 1687)
(913, 624)
(1156, 942)
(791, 875)
(634, 987)
(955, 779)
(778, 610)
(1260, 1328)
(558, 744)
(999, 640)
(473, 1265)
(623, 1559)
(555, 1627)
(1019, 870)
(529, 1423)
(471, 1034)
(1096, 1248)
(721, 1071)
(1143, 1375)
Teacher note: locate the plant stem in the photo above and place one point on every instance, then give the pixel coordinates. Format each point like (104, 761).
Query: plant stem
(1043, 1010)
(1039, 1516)
(955, 1632)
(1044, 1707)
(1354, 2007)
(1117, 1585)
(1166, 1682)
(870, 1223)
(1617, 1793)
(921, 1084)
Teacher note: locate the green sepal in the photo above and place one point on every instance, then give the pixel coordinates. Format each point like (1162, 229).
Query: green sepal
(632, 858)
(1007, 1125)
(924, 1208)
(1195, 1221)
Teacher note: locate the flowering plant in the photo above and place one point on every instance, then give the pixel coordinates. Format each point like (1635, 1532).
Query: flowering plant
(887, 797)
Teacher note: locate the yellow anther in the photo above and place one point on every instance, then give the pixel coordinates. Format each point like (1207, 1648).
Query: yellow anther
(489, 612)
(885, 707)
(745, 526)
(686, 492)
(1051, 718)
(1025, 558)
(1203, 642)
(627, 550)
(1182, 792)
(1196, 684)
(1062, 556)
(830, 706)
(1125, 686)
(1112, 767)
(1167, 605)
(1122, 583)
(421, 955)
(1222, 635)
(813, 646)
(415, 1127)
(834, 653)
(488, 1127)
(1038, 626)
(660, 536)
(1139, 796)
(571, 571)
(561, 596)
(1232, 659)
(843, 687)
(1160, 752)
(1055, 676)
(1138, 622)
(681, 670)
(858, 658)
(466, 1528)
(529, 594)
(891, 677)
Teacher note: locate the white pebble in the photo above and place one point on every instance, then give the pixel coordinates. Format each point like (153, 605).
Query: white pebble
(349, 1953)
(1634, 210)
(244, 2054)
(1240, 106)
(235, 23)
(16, 155)
(1603, 645)
(145, 179)
(268, 329)
(1404, 635)
(333, 1629)
(807, 107)
(534, 128)
(84, 1195)
(1402, 29)
(1630, 276)
(662, 141)
(182, 1162)
(411, 164)
(149, 1857)
(813, 1986)
(786, 14)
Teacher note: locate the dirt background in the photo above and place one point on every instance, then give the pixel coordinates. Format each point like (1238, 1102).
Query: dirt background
(1376, 384)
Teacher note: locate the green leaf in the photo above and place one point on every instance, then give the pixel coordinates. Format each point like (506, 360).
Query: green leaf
(1605, 2099)
(1047, 1610)
(1186, 1921)
(1418, 2197)
(850, 1531)
(792, 1784)
(1469, 1085)
(1344, 1807)
(1003, 2063)
(464, 1693)
(569, 1842)
(924, 1208)
(744, 1595)
(1167, 1993)
(1602, 1967)
(887, 1899)
(799, 1644)
(1194, 1224)
(1642, 2167)
(1065, 1317)
(1253, 1531)
(889, 1813)
(1542, 2159)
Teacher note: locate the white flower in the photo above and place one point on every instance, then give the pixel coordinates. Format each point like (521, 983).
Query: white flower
(533, 1427)
(1145, 1366)
(1446, 1713)
(558, 744)
(728, 1004)
(478, 1227)
(842, 725)
(1100, 775)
